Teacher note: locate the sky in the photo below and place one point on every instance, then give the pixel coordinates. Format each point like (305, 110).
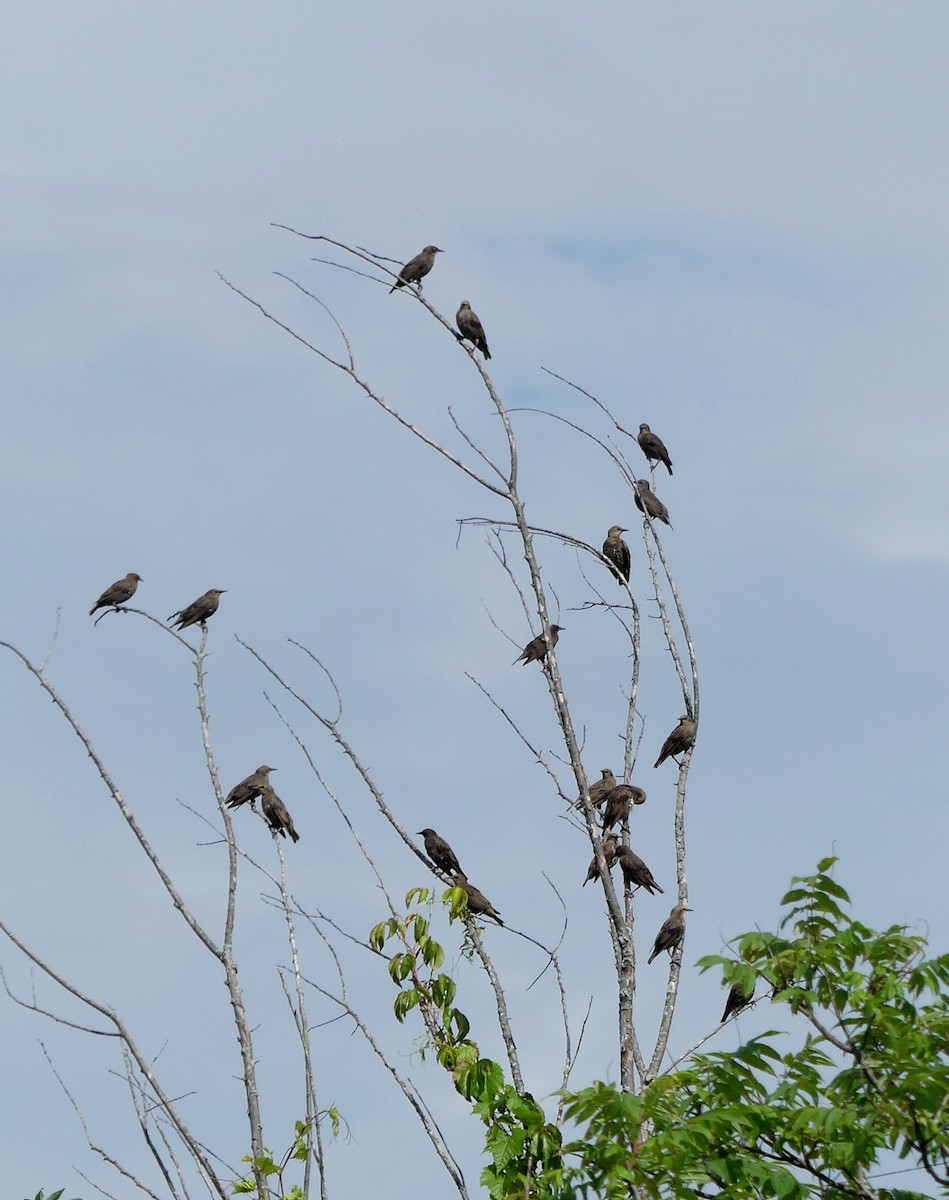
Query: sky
(726, 220)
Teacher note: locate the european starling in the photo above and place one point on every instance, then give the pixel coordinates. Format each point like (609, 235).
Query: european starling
(441, 854)
(598, 790)
(118, 593)
(635, 871)
(681, 738)
(671, 933)
(609, 853)
(653, 447)
(478, 903)
(249, 789)
(616, 550)
(197, 613)
(416, 268)
(653, 505)
(471, 328)
(536, 649)
(276, 813)
(619, 801)
(738, 999)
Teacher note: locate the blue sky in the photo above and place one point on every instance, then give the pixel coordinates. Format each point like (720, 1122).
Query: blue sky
(726, 220)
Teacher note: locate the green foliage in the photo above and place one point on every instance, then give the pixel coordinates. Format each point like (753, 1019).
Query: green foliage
(299, 1151)
(41, 1195)
(870, 1074)
(864, 1073)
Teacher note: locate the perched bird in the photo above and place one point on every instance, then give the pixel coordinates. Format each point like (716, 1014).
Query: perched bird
(118, 593)
(276, 813)
(536, 649)
(471, 328)
(416, 268)
(738, 999)
(478, 902)
(599, 790)
(635, 871)
(619, 801)
(648, 503)
(249, 789)
(197, 613)
(653, 447)
(681, 738)
(609, 853)
(441, 854)
(617, 552)
(671, 933)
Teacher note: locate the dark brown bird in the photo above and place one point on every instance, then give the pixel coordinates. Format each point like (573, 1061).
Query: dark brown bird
(635, 872)
(416, 268)
(617, 552)
(609, 853)
(249, 789)
(471, 328)
(738, 999)
(671, 933)
(276, 813)
(619, 801)
(118, 593)
(478, 902)
(441, 854)
(653, 447)
(197, 613)
(599, 790)
(653, 505)
(536, 649)
(681, 738)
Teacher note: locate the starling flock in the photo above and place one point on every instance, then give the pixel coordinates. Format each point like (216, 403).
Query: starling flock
(616, 800)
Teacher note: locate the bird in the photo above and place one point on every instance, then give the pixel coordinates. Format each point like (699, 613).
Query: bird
(471, 328)
(609, 853)
(681, 738)
(617, 552)
(249, 789)
(197, 613)
(671, 933)
(653, 447)
(738, 999)
(598, 790)
(635, 871)
(536, 649)
(416, 268)
(276, 813)
(118, 593)
(646, 502)
(477, 901)
(619, 801)
(441, 854)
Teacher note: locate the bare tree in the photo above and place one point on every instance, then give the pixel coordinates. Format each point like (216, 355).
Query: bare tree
(402, 943)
